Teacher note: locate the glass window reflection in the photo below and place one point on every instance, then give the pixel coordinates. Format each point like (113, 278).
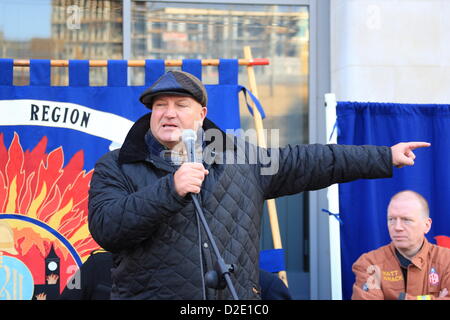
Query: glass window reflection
(61, 29)
(162, 30)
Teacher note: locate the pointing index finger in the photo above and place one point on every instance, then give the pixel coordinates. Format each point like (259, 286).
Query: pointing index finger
(418, 144)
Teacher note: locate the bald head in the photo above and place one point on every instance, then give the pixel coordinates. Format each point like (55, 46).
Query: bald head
(414, 199)
(409, 221)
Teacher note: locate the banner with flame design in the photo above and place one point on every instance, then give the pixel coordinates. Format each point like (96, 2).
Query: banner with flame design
(50, 139)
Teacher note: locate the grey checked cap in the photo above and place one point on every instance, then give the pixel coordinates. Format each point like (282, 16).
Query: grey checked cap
(178, 83)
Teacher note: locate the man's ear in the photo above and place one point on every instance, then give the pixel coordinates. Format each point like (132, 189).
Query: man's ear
(204, 112)
(428, 225)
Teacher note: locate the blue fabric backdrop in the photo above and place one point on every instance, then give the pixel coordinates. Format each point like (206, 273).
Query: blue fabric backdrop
(363, 203)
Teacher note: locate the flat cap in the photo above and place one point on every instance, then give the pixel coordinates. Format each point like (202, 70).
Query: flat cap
(178, 83)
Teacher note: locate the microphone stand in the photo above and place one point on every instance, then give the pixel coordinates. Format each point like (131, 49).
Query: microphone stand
(214, 278)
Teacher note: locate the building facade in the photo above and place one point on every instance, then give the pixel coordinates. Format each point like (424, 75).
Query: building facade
(291, 34)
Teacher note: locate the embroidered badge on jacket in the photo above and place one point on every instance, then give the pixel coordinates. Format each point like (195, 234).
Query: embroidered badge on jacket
(433, 277)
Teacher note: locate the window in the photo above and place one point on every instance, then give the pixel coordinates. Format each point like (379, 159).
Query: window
(60, 29)
(182, 30)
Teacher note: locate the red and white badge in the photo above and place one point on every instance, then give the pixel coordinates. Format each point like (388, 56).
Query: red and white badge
(433, 277)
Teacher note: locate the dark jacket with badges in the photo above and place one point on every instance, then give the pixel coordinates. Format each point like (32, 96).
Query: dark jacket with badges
(379, 275)
(135, 212)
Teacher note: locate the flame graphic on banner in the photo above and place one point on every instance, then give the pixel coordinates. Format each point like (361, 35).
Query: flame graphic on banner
(35, 185)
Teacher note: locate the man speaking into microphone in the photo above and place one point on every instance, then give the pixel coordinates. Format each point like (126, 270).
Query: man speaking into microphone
(140, 207)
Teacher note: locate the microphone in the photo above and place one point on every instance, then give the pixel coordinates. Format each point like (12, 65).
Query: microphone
(189, 137)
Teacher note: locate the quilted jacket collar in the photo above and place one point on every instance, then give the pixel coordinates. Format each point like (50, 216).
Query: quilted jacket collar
(134, 148)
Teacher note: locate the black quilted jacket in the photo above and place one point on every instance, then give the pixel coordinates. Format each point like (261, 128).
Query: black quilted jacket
(135, 213)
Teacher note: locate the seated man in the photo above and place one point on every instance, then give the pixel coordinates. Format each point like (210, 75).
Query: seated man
(409, 267)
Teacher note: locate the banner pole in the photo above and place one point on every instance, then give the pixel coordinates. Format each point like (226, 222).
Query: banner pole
(271, 206)
(141, 63)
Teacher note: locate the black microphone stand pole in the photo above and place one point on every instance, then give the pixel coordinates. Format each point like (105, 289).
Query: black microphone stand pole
(214, 278)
